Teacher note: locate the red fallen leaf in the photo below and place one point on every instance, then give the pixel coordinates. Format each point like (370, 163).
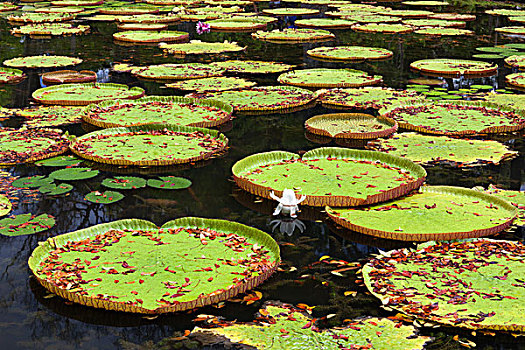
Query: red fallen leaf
(284, 331)
(370, 186)
(210, 279)
(141, 281)
(140, 301)
(134, 292)
(116, 281)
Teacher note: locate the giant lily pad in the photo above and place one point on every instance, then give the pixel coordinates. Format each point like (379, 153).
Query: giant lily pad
(158, 109)
(290, 11)
(364, 98)
(51, 116)
(329, 78)
(514, 30)
(253, 67)
(142, 26)
(195, 262)
(177, 71)
(149, 18)
(440, 31)
(326, 23)
(426, 3)
(350, 125)
(106, 197)
(293, 35)
(407, 13)
(517, 61)
(286, 327)
(516, 79)
(124, 182)
(265, 98)
(11, 76)
(212, 84)
(385, 28)
(434, 23)
(453, 16)
(7, 6)
(330, 176)
(448, 67)
(77, 3)
(350, 53)
(367, 18)
(73, 174)
(29, 145)
(154, 144)
(457, 118)
(432, 213)
(129, 10)
(85, 94)
(236, 24)
(69, 76)
(50, 29)
(197, 47)
(516, 102)
(476, 284)
(69, 9)
(505, 12)
(517, 198)
(36, 17)
(431, 149)
(146, 36)
(42, 61)
(5, 205)
(26, 224)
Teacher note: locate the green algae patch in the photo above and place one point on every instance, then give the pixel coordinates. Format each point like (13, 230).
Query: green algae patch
(365, 98)
(212, 84)
(85, 94)
(172, 110)
(253, 67)
(432, 213)
(475, 284)
(428, 149)
(179, 71)
(197, 47)
(150, 145)
(196, 262)
(51, 116)
(350, 126)
(146, 36)
(329, 176)
(44, 61)
(26, 224)
(350, 53)
(329, 78)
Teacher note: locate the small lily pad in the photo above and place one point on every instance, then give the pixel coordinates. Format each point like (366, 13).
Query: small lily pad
(71, 174)
(170, 183)
(26, 224)
(32, 181)
(55, 190)
(125, 182)
(106, 197)
(60, 161)
(5, 205)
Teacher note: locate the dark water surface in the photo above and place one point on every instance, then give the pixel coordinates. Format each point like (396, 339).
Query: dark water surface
(30, 318)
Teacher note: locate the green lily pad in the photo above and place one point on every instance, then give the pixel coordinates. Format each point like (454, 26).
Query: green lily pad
(516, 46)
(142, 26)
(438, 149)
(457, 118)
(350, 53)
(365, 98)
(124, 182)
(506, 100)
(488, 56)
(286, 327)
(495, 49)
(55, 190)
(152, 144)
(290, 11)
(433, 23)
(11, 76)
(85, 94)
(505, 12)
(60, 161)
(516, 79)
(407, 13)
(329, 176)
(149, 18)
(253, 67)
(236, 24)
(475, 284)
(517, 198)
(453, 16)
(146, 36)
(32, 181)
(50, 29)
(61, 9)
(177, 71)
(36, 17)
(26, 224)
(385, 28)
(195, 262)
(73, 174)
(106, 197)
(170, 183)
(293, 35)
(514, 30)
(212, 84)
(367, 18)
(516, 61)
(445, 67)
(425, 3)
(325, 23)
(432, 213)
(441, 31)
(45, 61)
(197, 47)
(329, 78)
(350, 126)
(7, 6)
(5, 205)
(51, 116)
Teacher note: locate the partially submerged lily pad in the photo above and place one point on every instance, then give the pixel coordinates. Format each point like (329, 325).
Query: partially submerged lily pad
(442, 149)
(73, 174)
(45, 61)
(51, 116)
(26, 224)
(153, 144)
(475, 284)
(432, 213)
(124, 182)
(146, 36)
(350, 53)
(350, 125)
(197, 47)
(212, 84)
(448, 67)
(365, 98)
(181, 71)
(329, 176)
(329, 78)
(32, 181)
(106, 197)
(55, 190)
(179, 277)
(60, 161)
(11, 76)
(253, 67)
(293, 35)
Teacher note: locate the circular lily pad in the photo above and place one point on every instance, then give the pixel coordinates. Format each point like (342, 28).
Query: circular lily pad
(5, 205)
(7, 6)
(30, 145)
(264, 98)
(142, 26)
(236, 24)
(368, 18)
(434, 23)
(77, 2)
(514, 30)
(276, 323)
(329, 176)
(476, 284)
(517, 61)
(26, 224)
(488, 56)
(432, 213)
(172, 110)
(42, 61)
(196, 262)
(73, 174)
(85, 94)
(169, 183)
(326, 23)
(197, 47)
(212, 84)
(516, 79)
(453, 67)
(427, 81)
(439, 31)
(106, 197)
(407, 13)
(68, 77)
(154, 144)
(124, 182)
(293, 35)
(350, 125)
(514, 101)
(149, 18)
(11, 76)
(32, 181)
(365, 98)
(146, 36)
(253, 67)
(290, 11)
(55, 190)
(516, 198)
(50, 29)
(458, 118)
(36, 17)
(442, 149)
(425, 3)
(350, 53)
(385, 28)
(69, 9)
(177, 71)
(453, 16)
(50, 116)
(505, 12)
(60, 161)
(520, 19)
(329, 78)
(128, 10)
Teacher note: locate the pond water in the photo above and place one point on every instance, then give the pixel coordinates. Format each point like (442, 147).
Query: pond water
(32, 318)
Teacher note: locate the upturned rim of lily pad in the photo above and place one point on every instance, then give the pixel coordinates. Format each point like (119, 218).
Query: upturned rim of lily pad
(391, 126)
